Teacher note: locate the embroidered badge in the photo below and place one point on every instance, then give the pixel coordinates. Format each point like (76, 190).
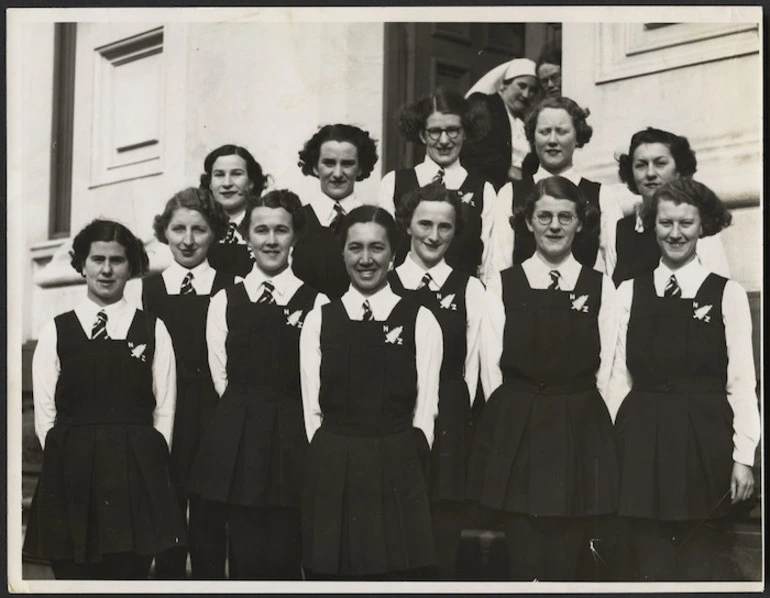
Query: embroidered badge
(137, 351)
(393, 337)
(467, 198)
(447, 301)
(700, 312)
(579, 303)
(293, 319)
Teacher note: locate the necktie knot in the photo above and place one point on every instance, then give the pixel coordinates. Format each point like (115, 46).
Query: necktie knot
(187, 287)
(439, 176)
(99, 330)
(267, 297)
(425, 282)
(337, 220)
(368, 315)
(555, 276)
(672, 288)
(230, 236)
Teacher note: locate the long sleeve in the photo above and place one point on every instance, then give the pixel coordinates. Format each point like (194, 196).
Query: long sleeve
(164, 382)
(45, 374)
(491, 347)
(741, 377)
(608, 333)
(487, 221)
(475, 300)
(310, 370)
(216, 338)
(429, 349)
(620, 378)
(711, 253)
(501, 237)
(386, 192)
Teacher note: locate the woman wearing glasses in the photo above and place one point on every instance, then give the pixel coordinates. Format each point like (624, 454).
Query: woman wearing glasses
(544, 459)
(688, 429)
(442, 122)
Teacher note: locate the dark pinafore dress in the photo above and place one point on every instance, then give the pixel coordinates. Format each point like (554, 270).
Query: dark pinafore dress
(637, 253)
(317, 258)
(674, 429)
(253, 451)
(544, 445)
(585, 248)
(452, 438)
(105, 486)
(365, 508)
(231, 258)
(196, 399)
(465, 252)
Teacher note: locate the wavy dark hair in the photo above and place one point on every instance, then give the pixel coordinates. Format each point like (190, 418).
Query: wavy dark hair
(713, 213)
(412, 118)
(559, 188)
(369, 213)
(278, 198)
(192, 198)
(583, 131)
(107, 231)
(366, 146)
(679, 146)
(434, 191)
(551, 54)
(253, 169)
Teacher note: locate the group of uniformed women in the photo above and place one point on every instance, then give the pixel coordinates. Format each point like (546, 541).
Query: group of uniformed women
(312, 369)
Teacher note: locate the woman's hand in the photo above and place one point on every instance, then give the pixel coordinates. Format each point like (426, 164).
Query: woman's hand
(741, 483)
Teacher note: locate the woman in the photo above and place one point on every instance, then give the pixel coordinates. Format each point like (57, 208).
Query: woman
(505, 95)
(230, 172)
(441, 122)
(555, 129)
(688, 429)
(370, 365)
(432, 216)
(548, 70)
(338, 156)
(190, 225)
(104, 392)
(543, 458)
(250, 460)
(654, 158)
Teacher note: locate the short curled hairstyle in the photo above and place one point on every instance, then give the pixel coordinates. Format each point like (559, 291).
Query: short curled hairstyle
(551, 54)
(368, 213)
(434, 191)
(714, 216)
(196, 199)
(107, 231)
(684, 156)
(253, 169)
(277, 198)
(559, 188)
(583, 131)
(412, 118)
(366, 146)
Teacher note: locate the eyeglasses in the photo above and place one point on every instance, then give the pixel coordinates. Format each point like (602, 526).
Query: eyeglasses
(555, 79)
(564, 218)
(434, 133)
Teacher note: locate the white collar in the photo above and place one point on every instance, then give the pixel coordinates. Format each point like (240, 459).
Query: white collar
(89, 308)
(323, 206)
(569, 269)
(570, 174)
(411, 273)
(238, 218)
(281, 282)
(177, 270)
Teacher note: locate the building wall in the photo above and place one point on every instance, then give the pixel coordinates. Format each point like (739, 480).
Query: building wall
(715, 104)
(267, 86)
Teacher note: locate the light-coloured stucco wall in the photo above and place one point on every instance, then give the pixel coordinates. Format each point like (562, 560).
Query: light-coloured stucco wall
(716, 105)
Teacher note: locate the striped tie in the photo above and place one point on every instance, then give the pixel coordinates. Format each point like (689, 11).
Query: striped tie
(425, 282)
(99, 331)
(187, 288)
(554, 286)
(368, 315)
(439, 176)
(337, 220)
(230, 236)
(267, 295)
(672, 288)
